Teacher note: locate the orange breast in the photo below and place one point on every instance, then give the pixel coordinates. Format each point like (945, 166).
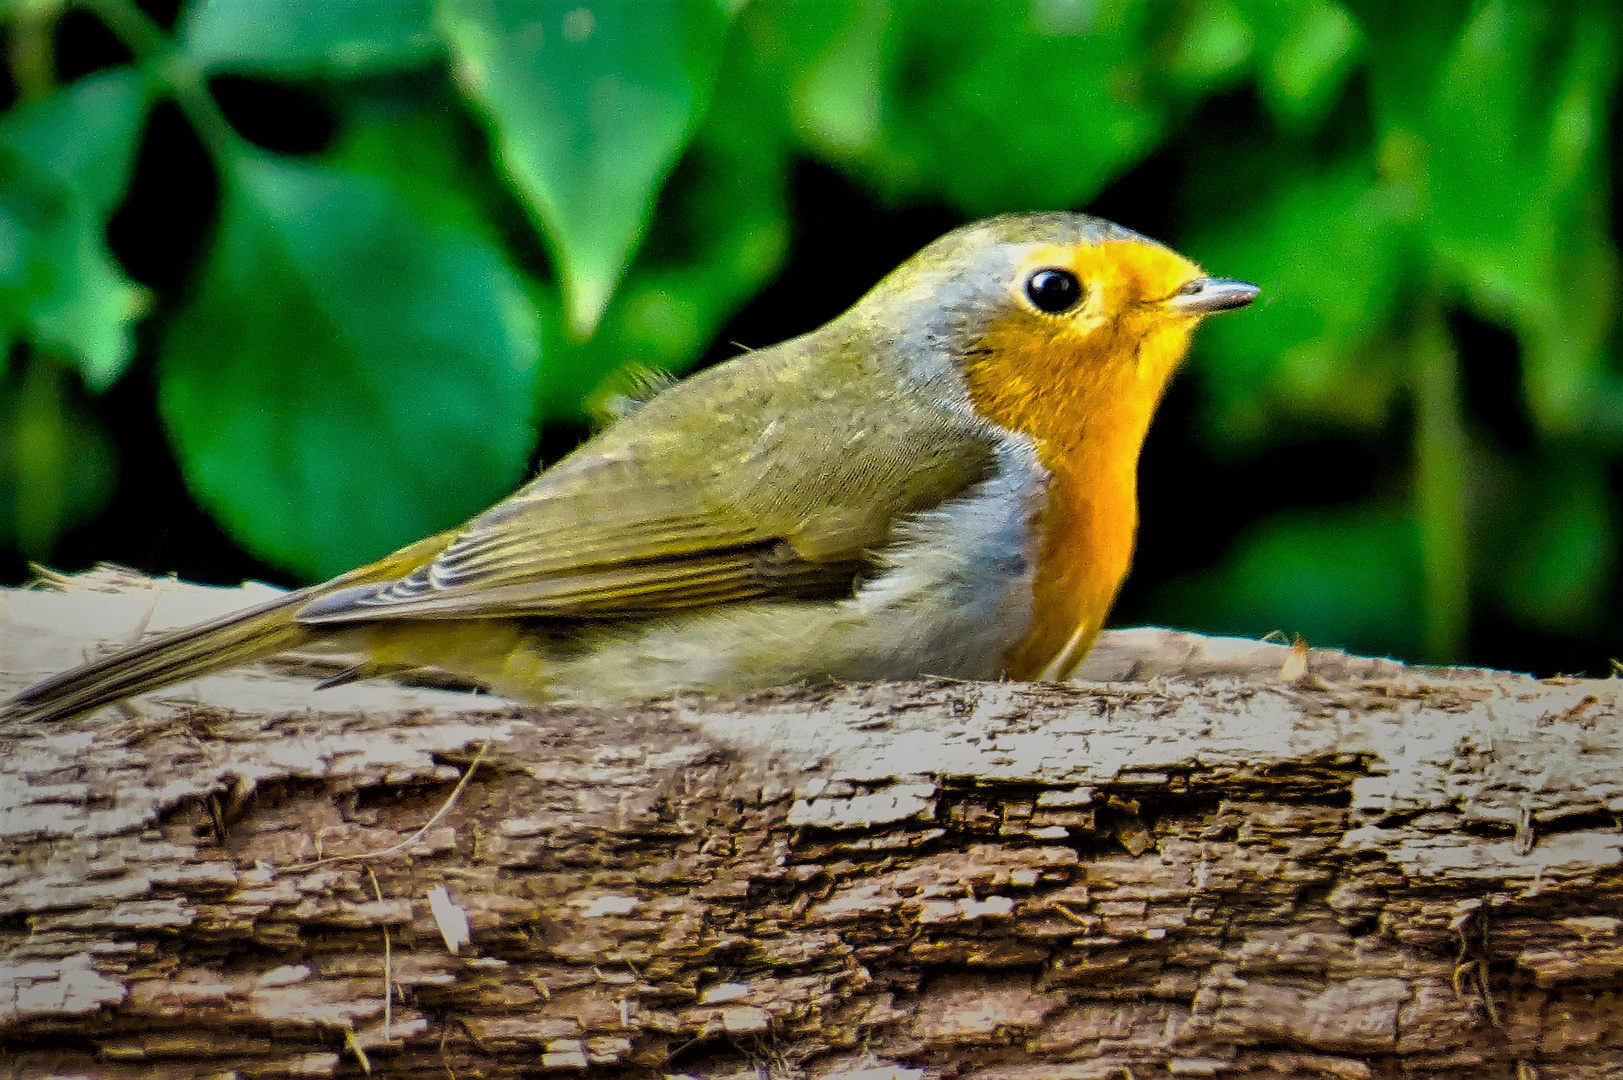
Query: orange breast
(1086, 399)
(1088, 531)
(1088, 426)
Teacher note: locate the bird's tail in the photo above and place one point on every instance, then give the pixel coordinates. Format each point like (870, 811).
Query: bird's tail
(172, 657)
(186, 653)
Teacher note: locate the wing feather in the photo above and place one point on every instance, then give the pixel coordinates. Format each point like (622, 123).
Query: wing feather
(714, 492)
(611, 592)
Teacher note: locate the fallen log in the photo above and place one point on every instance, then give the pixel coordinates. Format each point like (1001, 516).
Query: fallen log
(1205, 857)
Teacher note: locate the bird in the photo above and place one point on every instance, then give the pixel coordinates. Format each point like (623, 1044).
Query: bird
(941, 481)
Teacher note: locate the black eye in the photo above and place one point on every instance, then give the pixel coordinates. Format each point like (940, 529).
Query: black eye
(1054, 291)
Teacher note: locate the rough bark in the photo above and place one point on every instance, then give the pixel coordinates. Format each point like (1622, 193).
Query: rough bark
(1200, 860)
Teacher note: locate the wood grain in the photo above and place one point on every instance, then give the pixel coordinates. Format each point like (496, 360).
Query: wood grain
(1186, 863)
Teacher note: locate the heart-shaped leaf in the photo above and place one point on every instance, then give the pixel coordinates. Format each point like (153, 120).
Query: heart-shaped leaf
(349, 376)
(720, 235)
(590, 106)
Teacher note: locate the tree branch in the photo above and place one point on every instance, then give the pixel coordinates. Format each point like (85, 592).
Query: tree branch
(1200, 866)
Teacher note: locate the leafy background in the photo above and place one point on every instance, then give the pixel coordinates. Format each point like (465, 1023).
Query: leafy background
(285, 283)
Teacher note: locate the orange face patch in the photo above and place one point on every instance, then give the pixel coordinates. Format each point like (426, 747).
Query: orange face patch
(1106, 361)
(1083, 384)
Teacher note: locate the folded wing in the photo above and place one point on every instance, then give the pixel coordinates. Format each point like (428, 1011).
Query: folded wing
(700, 497)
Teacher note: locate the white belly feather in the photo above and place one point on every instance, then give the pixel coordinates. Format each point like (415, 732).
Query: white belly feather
(953, 597)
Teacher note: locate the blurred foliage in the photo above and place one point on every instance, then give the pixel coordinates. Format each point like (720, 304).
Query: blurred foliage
(373, 332)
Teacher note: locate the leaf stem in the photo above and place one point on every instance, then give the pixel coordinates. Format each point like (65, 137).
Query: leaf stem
(41, 457)
(157, 54)
(31, 57)
(1440, 451)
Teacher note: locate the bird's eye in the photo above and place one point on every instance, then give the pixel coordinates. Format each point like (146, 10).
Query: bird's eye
(1054, 291)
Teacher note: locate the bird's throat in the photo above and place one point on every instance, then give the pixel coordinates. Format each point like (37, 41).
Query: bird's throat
(1089, 417)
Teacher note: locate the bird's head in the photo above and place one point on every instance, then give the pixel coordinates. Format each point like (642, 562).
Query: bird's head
(1057, 322)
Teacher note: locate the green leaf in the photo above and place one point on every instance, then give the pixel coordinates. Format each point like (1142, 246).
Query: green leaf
(590, 107)
(837, 95)
(1496, 115)
(1309, 48)
(810, 69)
(1329, 250)
(1407, 45)
(64, 162)
(436, 164)
(1441, 485)
(1519, 190)
(998, 109)
(1213, 43)
(348, 376)
(720, 235)
(1348, 578)
(305, 37)
(85, 134)
(669, 310)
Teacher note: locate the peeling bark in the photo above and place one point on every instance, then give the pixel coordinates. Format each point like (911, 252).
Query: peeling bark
(1185, 863)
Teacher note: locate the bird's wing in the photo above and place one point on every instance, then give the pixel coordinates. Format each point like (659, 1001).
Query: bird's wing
(702, 497)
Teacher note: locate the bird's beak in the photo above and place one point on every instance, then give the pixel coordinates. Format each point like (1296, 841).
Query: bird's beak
(1209, 295)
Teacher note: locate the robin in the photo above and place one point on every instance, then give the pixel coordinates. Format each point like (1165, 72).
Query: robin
(942, 480)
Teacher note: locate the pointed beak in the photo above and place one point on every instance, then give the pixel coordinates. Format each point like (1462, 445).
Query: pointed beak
(1209, 295)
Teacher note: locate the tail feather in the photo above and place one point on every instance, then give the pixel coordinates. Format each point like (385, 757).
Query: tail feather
(186, 653)
(168, 658)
